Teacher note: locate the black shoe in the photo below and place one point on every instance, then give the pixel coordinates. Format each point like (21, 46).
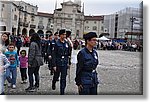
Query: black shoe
(30, 89)
(53, 86)
(5, 84)
(36, 87)
(2, 93)
(51, 72)
(62, 91)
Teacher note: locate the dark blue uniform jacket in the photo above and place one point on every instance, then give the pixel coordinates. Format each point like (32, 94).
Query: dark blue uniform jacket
(50, 46)
(87, 62)
(60, 54)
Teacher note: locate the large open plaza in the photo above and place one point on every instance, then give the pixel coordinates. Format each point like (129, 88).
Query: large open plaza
(119, 72)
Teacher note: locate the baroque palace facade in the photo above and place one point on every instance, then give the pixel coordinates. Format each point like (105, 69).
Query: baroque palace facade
(23, 18)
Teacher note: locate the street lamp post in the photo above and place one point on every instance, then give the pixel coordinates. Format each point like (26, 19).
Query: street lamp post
(132, 19)
(20, 8)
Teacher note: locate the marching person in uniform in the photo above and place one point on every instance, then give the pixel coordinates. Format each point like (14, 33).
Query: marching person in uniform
(43, 47)
(60, 61)
(49, 47)
(87, 61)
(56, 36)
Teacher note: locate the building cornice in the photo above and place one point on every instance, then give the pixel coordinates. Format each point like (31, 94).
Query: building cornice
(94, 18)
(45, 14)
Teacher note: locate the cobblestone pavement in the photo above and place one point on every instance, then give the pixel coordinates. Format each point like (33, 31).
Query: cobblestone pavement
(119, 72)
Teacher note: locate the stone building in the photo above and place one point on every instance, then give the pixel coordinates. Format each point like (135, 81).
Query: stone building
(71, 17)
(23, 18)
(20, 17)
(94, 24)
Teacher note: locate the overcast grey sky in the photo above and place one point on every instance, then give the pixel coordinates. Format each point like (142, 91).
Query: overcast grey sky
(91, 7)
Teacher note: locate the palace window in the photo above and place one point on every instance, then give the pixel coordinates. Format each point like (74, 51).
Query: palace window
(102, 28)
(3, 5)
(87, 27)
(59, 15)
(15, 17)
(94, 28)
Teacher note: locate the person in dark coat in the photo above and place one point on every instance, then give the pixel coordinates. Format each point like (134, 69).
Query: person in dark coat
(60, 61)
(87, 61)
(18, 43)
(35, 60)
(49, 47)
(68, 39)
(56, 36)
(43, 46)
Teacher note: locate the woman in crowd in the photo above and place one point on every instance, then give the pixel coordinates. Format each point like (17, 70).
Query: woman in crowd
(34, 62)
(4, 41)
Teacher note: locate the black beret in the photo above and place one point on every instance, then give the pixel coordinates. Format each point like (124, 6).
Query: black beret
(62, 31)
(56, 33)
(68, 33)
(49, 32)
(89, 35)
(50, 35)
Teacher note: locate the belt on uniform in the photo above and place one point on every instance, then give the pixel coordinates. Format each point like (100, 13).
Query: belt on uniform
(91, 71)
(64, 56)
(38, 55)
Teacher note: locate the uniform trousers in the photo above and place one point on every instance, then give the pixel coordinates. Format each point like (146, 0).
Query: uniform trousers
(88, 90)
(63, 71)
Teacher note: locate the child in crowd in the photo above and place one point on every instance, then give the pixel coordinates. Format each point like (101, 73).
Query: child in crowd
(11, 71)
(4, 63)
(23, 59)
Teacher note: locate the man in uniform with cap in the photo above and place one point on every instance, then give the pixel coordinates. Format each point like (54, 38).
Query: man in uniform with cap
(87, 61)
(60, 61)
(56, 37)
(49, 47)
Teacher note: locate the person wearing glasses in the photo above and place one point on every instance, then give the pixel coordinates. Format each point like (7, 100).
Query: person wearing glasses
(87, 61)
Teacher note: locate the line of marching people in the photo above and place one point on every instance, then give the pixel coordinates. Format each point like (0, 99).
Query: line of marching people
(57, 53)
